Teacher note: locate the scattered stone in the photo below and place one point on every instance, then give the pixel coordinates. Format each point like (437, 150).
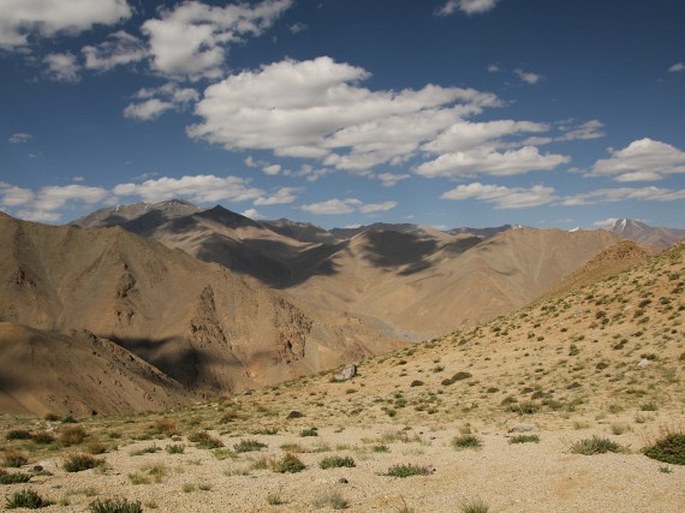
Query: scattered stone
(643, 364)
(342, 480)
(522, 428)
(346, 374)
(295, 415)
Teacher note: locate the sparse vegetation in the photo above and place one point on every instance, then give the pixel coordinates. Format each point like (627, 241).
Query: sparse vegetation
(407, 470)
(476, 505)
(289, 463)
(595, 445)
(332, 500)
(336, 461)
(117, 505)
(80, 462)
(26, 499)
(7, 478)
(524, 439)
(670, 448)
(466, 441)
(204, 440)
(248, 446)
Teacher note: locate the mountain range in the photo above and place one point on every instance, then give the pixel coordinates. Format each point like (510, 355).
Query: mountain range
(148, 306)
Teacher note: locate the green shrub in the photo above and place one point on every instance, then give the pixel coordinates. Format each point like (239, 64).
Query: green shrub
(524, 439)
(115, 506)
(72, 435)
(310, 432)
(175, 448)
(333, 500)
(13, 477)
(80, 462)
(204, 440)
(336, 461)
(248, 446)
(26, 499)
(14, 459)
(595, 445)
(18, 434)
(466, 441)
(474, 506)
(42, 437)
(669, 449)
(407, 470)
(289, 463)
(461, 375)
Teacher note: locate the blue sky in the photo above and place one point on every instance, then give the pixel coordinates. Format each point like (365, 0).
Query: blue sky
(440, 112)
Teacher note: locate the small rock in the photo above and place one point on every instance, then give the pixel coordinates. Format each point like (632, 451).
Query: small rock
(643, 364)
(346, 374)
(522, 428)
(342, 480)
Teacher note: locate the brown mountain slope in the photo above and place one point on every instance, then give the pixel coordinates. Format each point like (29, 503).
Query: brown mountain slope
(656, 236)
(430, 286)
(77, 372)
(613, 260)
(197, 322)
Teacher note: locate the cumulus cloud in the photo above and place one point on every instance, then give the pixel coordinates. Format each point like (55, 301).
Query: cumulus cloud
(391, 179)
(589, 130)
(282, 196)
(253, 213)
(606, 223)
(678, 66)
(197, 188)
(613, 195)
(528, 76)
(20, 19)
(316, 109)
(486, 160)
(147, 110)
(62, 67)
(119, 49)
(20, 138)
(503, 197)
(298, 27)
(272, 169)
(347, 206)
(46, 204)
(159, 100)
(191, 40)
(642, 160)
(466, 6)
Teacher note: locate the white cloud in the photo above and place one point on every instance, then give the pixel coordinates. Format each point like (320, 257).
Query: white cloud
(503, 197)
(391, 179)
(485, 160)
(678, 66)
(601, 196)
(527, 76)
(272, 169)
(190, 41)
(20, 138)
(159, 100)
(347, 206)
(589, 130)
(62, 67)
(606, 223)
(39, 216)
(494, 68)
(20, 19)
(315, 109)
(197, 188)
(377, 207)
(78, 179)
(466, 6)
(13, 196)
(119, 49)
(298, 27)
(147, 110)
(282, 196)
(253, 213)
(642, 160)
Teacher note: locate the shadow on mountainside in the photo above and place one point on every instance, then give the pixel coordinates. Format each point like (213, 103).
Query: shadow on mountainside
(179, 360)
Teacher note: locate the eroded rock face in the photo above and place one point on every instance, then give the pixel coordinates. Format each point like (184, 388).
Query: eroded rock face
(347, 373)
